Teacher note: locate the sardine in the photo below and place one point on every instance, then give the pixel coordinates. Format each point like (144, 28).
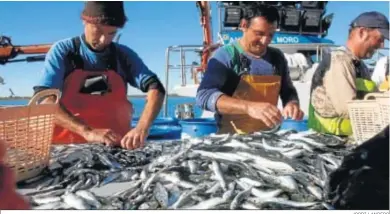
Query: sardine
(277, 166)
(51, 206)
(239, 198)
(214, 188)
(314, 190)
(186, 196)
(175, 179)
(286, 202)
(235, 144)
(218, 174)
(192, 166)
(90, 198)
(161, 195)
(250, 181)
(249, 206)
(76, 202)
(46, 200)
(209, 204)
(260, 194)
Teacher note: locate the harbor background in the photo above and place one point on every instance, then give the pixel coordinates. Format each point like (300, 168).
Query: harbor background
(138, 103)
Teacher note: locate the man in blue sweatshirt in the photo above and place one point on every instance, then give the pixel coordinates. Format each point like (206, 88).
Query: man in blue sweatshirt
(244, 79)
(92, 73)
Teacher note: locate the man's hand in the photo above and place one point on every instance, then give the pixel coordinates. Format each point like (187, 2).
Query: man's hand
(265, 112)
(106, 136)
(135, 138)
(292, 110)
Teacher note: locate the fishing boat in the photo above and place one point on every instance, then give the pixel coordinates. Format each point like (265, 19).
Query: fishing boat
(300, 35)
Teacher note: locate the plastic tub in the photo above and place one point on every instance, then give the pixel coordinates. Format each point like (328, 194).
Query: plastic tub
(158, 121)
(299, 126)
(165, 132)
(198, 127)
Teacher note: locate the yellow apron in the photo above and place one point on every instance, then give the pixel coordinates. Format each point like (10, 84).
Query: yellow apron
(255, 88)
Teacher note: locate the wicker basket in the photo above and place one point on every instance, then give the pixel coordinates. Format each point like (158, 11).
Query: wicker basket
(384, 108)
(366, 117)
(27, 132)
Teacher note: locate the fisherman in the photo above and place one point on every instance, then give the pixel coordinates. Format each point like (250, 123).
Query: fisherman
(92, 73)
(342, 76)
(9, 198)
(244, 79)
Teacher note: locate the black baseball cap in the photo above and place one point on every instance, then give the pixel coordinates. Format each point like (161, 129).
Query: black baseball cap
(373, 20)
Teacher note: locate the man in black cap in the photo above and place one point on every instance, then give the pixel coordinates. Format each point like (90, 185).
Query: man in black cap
(342, 76)
(92, 73)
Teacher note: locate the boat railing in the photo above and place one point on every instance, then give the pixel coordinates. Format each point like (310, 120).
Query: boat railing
(183, 51)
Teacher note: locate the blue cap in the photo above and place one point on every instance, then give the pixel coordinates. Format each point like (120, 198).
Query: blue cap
(373, 20)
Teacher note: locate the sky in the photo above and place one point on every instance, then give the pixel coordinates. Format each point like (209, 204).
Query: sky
(152, 27)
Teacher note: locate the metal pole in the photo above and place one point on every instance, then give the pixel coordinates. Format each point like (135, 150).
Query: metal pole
(219, 8)
(211, 20)
(183, 71)
(166, 83)
(317, 53)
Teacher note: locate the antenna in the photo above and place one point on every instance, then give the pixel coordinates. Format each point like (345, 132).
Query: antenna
(118, 37)
(2, 81)
(12, 93)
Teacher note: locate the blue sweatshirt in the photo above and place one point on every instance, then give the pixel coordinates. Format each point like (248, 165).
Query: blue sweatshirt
(220, 78)
(57, 65)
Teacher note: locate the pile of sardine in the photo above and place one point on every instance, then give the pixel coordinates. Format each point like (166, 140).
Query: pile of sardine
(283, 170)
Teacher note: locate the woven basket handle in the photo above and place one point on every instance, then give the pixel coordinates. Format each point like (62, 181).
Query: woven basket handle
(42, 94)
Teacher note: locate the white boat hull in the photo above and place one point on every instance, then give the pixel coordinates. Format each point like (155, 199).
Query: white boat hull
(185, 91)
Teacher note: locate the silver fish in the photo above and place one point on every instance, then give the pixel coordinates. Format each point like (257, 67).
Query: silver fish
(90, 198)
(46, 200)
(274, 165)
(186, 196)
(260, 194)
(286, 202)
(192, 166)
(76, 202)
(161, 195)
(218, 174)
(51, 206)
(314, 190)
(209, 204)
(230, 192)
(249, 206)
(250, 181)
(214, 188)
(239, 198)
(236, 144)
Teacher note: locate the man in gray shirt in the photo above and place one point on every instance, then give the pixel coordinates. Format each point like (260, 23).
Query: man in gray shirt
(342, 75)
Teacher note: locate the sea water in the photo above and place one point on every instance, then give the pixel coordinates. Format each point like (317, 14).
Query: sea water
(138, 104)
